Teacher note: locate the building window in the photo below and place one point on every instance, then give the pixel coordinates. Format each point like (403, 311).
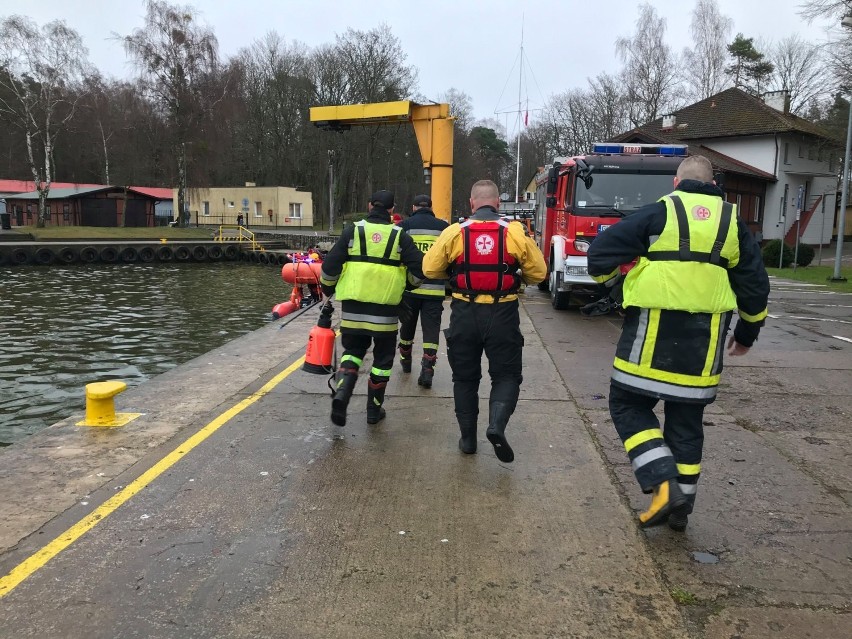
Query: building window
(810, 153)
(66, 213)
(205, 209)
(47, 211)
(801, 150)
(231, 204)
(258, 209)
(296, 210)
(786, 153)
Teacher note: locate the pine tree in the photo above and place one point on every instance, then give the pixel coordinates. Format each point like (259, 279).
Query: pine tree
(749, 69)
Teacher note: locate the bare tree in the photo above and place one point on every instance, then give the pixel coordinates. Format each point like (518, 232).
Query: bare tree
(40, 68)
(177, 56)
(704, 62)
(800, 70)
(650, 72)
(376, 71)
(461, 108)
(829, 9)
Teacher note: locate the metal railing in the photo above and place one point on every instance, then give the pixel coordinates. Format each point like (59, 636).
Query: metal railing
(237, 233)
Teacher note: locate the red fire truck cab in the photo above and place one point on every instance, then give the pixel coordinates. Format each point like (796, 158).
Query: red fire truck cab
(581, 196)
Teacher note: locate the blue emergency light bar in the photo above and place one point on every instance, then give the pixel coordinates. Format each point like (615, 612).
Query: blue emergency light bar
(615, 148)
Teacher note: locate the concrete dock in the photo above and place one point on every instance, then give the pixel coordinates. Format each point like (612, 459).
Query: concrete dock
(234, 508)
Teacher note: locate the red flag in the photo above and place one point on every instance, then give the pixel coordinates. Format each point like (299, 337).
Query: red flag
(527, 118)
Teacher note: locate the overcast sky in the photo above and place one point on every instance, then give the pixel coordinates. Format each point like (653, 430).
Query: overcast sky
(467, 44)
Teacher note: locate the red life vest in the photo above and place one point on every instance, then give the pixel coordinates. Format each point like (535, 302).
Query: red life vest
(485, 266)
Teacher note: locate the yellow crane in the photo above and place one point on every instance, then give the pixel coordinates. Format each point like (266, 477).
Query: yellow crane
(433, 127)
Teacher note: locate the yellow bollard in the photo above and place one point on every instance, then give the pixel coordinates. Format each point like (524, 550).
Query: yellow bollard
(100, 405)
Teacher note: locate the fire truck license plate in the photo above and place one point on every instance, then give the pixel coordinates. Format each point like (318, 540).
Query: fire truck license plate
(603, 227)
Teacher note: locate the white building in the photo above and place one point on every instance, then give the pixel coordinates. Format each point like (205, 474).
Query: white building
(774, 165)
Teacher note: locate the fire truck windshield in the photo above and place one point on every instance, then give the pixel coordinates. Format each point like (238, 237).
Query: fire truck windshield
(620, 192)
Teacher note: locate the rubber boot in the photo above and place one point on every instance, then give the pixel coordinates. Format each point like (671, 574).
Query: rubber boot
(405, 358)
(498, 416)
(427, 370)
(467, 441)
(375, 399)
(666, 499)
(346, 379)
(679, 517)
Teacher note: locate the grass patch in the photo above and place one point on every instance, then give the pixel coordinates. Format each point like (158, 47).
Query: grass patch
(117, 233)
(683, 597)
(813, 275)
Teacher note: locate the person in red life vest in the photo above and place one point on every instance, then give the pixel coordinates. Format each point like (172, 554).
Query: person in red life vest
(486, 259)
(396, 218)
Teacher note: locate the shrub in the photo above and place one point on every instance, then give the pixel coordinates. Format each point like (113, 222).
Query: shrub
(771, 252)
(806, 255)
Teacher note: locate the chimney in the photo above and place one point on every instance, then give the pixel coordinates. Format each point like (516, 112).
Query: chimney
(668, 122)
(778, 100)
(250, 184)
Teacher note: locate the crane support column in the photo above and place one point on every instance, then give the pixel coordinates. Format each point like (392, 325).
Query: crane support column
(433, 127)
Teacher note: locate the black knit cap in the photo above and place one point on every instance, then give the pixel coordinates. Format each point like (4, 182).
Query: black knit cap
(422, 200)
(382, 199)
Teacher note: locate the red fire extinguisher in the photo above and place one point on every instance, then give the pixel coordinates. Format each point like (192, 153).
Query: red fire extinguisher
(319, 354)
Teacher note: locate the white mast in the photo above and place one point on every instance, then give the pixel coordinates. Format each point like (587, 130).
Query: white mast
(520, 84)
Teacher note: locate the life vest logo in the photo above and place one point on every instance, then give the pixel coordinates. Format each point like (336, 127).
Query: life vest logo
(700, 212)
(377, 237)
(484, 245)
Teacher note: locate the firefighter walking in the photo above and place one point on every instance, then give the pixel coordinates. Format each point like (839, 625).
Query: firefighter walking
(697, 263)
(486, 260)
(425, 302)
(367, 269)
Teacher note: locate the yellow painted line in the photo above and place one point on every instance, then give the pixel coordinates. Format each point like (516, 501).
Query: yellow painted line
(34, 562)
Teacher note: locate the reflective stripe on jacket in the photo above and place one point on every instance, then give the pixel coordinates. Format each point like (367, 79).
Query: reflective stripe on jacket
(373, 271)
(424, 228)
(674, 355)
(698, 244)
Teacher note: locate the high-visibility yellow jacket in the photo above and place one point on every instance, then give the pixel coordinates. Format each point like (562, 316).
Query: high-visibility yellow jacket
(697, 262)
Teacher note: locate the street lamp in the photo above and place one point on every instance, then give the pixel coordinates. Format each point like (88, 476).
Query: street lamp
(841, 223)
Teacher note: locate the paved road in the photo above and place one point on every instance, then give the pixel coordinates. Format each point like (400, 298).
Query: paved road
(279, 524)
(776, 485)
(282, 525)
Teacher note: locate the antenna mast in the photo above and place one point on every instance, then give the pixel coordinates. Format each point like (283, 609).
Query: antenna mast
(520, 85)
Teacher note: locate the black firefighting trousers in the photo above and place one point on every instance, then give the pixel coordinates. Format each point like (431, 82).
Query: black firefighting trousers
(428, 310)
(659, 454)
(494, 328)
(355, 346)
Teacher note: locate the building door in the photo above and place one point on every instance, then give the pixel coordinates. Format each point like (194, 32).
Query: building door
(135, 213)
(98, 212)
(19, 215)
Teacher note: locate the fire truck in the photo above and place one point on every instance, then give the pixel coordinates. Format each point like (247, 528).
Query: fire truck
(581, 196)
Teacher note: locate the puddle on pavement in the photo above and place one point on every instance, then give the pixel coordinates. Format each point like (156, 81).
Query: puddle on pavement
(705, 557)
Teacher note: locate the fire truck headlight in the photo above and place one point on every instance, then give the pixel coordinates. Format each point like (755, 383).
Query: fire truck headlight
(582, 245)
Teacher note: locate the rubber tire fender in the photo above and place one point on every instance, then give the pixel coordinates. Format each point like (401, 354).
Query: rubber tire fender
(19, 256)
(165, 254)
(89, 255)
(128, 255)
(214, 253)
(182, 254)
(231, 252)
(109, 254)
(146, 254)
(43, 256)
(66, 255)
(199, 253)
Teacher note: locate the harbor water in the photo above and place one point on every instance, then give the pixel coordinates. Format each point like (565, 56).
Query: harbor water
(63, 327)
